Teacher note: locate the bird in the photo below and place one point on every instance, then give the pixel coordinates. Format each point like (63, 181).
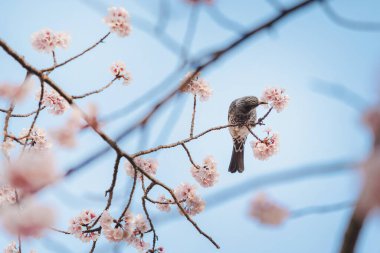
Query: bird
(241, 114)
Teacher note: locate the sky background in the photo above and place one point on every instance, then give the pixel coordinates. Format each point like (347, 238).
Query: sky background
(301, 54)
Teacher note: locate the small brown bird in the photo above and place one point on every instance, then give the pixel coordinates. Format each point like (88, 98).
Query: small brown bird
(242, 113)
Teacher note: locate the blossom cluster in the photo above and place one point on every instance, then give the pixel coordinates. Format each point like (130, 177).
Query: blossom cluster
(29, 220)
(46, 40)
(65, 135)
(131, 229)
(207, 174)
(7, 195)
(31, 172)
(12, 248)
(55, 103)
(191, 202)
(148, 165)
(118, 21)
(163, 203)
(263, 149)
(15, 93)
(37, 138)
(276, 98)
(266, 211)
(119, 70)
(81, 223)
(197, 86)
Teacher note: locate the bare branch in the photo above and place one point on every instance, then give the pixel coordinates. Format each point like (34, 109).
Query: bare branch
(95, 91)
(193, 116)
(76, 56)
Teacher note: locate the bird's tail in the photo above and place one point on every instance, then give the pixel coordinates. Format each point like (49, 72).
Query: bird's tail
(237, 159)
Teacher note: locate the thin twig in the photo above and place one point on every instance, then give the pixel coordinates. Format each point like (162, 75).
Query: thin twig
(95, 91)
(193, 116)
(76, 56)
(130, 197)
(143, 199)
(93, 247)
(25, 115)
(189, 155)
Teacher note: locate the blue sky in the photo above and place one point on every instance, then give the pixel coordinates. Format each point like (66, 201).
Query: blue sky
(304, 51)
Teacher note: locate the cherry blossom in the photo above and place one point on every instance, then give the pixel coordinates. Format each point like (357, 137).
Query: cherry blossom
(81, 223)
(160, 249)
(11, 248)
(29, 220)
(276, 97)
(113, 234)
(36, 139)
(7, 145)
(31, 171)
(207, 174)
(46, 40)
(66, 134)
(266, 211)
(267, 147)
(62, 39)
(119, 69)
(16, 92)
(197, 86)
(7, 195)
(118, 21)
(148, 165)
(55, 103)
(190, 201)
(162, 206)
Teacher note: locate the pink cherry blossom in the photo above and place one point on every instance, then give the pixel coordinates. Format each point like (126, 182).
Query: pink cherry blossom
(66, 134)
(207, 174)
(7, 195)
(162, 206)
(29, 220)
(148, 165)
(160, 249)
(11, 248)
(190, 201)
(16, 92)
(55, 103)
(7, 146)
(31, 171)
(46, 40)
(276, 97)
(267, 147)
(106, 220)
(118, 21)
(266, 211)
(119, 69)
(62, 39)
(80, 223)
(197, 86)
(37, 138)
(114, 234)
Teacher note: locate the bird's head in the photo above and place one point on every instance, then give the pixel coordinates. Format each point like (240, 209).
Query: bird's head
(250, 102)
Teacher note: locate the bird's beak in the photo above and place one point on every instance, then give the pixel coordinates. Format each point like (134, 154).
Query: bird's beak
(263, 103)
